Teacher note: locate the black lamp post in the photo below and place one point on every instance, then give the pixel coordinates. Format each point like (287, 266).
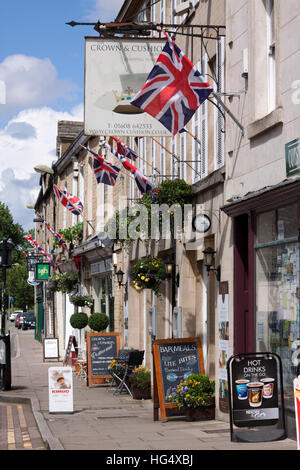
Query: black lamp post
(6, 247)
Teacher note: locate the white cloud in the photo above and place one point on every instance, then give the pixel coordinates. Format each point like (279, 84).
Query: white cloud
(103, 11)
(29, 82)
(27, 140)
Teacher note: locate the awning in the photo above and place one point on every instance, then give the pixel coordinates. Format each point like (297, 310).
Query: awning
(99, 241)
(264, 199)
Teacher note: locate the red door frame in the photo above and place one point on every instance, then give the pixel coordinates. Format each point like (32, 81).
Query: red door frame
(244, 288)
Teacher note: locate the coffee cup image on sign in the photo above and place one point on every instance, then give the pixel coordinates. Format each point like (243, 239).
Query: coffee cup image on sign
(242, 389)
(268, 387)
(255, 394)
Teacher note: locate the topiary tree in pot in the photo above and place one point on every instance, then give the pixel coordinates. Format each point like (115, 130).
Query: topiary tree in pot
(79, 320)
(98, 321)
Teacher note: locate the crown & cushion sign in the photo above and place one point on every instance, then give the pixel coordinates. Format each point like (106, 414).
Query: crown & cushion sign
(115, 70)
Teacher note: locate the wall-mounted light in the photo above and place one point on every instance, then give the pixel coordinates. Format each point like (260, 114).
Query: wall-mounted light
(43, 169)
(120, 275)
(209, 254)
(169, 265)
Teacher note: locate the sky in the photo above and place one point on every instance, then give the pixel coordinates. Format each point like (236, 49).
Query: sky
(41, 82)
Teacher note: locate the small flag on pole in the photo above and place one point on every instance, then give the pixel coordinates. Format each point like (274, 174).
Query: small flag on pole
(35, 244)
(142, 182)
(173, 90)
(70, 202)
(104, 171)
(123, 149)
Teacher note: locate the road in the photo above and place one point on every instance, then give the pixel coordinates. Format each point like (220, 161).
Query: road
(18, 429)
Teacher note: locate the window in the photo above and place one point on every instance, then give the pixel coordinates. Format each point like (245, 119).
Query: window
(153, 162)
(219, 120)
(270, 12)
(262, 61)
(182, 155)
(162, 11)
(277, 289)
(162, 158)
(174, 170)
(142, 154)
(200, 130)
(104, 300)
(173, 17)
(142, 16)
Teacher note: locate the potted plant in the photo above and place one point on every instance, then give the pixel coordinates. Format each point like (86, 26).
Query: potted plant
(81, 300)
(195, 395)
(98, 321)
(140, 383)
(148, 274)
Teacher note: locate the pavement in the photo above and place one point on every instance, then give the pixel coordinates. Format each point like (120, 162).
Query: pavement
(107, 422)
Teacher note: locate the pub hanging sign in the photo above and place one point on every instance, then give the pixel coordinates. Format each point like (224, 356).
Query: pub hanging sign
(42, 271)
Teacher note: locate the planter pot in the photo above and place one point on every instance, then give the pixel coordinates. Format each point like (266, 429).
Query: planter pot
(201, 413)
(141, 393)
(79, 304)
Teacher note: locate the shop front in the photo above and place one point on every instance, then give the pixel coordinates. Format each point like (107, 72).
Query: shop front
(266, 278)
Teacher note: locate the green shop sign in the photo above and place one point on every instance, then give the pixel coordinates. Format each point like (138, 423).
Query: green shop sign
(292, 157)
(42, 271)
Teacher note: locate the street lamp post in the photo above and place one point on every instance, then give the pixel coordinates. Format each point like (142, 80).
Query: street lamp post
(6, 247)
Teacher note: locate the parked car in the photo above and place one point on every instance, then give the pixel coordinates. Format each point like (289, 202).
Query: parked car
(14, 314)
(28, 320)
(17, 319)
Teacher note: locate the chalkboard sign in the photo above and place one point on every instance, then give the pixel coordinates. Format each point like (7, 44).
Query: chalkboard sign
(254, 383)
(101, 349)
(174, 360)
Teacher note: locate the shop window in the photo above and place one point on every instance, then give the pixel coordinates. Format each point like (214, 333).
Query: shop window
(104, 300)
(277, 289)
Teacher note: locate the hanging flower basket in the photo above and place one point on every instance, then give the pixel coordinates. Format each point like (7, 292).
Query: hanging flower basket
(81, 300)
(63, 282)
(148, 274)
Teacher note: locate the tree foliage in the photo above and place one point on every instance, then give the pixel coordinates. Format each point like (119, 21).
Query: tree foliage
(16, 276)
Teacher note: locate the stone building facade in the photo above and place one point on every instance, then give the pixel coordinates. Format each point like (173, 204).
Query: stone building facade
(244, 176)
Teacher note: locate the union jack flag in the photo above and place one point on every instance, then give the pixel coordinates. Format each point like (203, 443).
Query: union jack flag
(104, 171)
(70, 202)
(35, 244)
(58, 236)
(142, 182)
(123, 149)
(173, 90)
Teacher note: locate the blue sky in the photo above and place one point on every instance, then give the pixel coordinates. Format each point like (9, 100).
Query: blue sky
(41, 82)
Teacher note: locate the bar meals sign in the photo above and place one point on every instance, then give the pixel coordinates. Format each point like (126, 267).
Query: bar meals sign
(292, 157)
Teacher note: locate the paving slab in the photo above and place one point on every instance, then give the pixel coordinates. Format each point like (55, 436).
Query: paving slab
(108, 422)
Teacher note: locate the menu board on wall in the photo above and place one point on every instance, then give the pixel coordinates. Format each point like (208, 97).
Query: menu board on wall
(223, 321)
(174, 361)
